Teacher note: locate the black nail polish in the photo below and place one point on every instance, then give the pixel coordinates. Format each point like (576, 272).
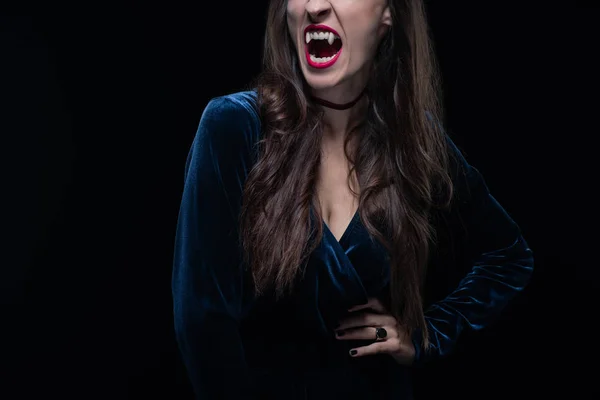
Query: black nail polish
(340, 333)
(353, 352)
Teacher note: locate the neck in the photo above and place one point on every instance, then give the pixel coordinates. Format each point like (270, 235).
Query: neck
(342, 112)
(337, 106)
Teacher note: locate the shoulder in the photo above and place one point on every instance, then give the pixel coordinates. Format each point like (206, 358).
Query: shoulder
(467, 180)
(235, 110)
(230, 123)
(458, 168)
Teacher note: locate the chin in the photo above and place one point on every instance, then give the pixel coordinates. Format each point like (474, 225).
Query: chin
(321, 83)
(322, 79)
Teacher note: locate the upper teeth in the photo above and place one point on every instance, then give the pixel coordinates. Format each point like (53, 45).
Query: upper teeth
(319, 35)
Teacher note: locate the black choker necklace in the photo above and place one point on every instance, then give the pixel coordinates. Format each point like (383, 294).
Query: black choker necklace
(335, 106)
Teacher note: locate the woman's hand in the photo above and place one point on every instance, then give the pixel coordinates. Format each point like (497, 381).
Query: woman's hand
(372, 321)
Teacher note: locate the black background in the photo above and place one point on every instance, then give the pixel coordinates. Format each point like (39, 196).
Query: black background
(100, 105)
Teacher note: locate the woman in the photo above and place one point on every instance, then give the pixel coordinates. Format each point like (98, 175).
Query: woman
(331, 236)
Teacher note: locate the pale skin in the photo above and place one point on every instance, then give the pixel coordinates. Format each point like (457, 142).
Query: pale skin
(361, 24)
(362, 324)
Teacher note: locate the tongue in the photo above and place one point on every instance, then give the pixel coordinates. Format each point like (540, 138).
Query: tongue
(322, 48)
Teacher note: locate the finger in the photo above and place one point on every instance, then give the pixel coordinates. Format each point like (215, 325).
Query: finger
(386, 346)
(365, 333)
(374, 304)
(366, 319)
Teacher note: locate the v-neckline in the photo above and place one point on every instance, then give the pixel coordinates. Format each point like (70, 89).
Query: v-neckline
(346, 232)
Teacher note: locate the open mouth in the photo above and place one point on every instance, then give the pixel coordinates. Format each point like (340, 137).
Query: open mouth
(323, 46)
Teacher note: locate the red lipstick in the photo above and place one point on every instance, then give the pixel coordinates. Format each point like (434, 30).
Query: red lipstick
(309, 60)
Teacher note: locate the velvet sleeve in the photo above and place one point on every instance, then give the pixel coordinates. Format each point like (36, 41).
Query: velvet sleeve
(500, 265)
(210, 287)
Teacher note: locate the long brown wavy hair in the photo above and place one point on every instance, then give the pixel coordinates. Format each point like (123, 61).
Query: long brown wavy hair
(401, 161)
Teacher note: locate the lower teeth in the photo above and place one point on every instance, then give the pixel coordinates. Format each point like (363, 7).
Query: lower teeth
(320, 59)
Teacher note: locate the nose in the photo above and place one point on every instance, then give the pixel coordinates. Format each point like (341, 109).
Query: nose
(318, 9)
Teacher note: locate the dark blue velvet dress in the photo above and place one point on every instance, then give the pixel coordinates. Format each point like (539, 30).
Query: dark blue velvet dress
(235, 346)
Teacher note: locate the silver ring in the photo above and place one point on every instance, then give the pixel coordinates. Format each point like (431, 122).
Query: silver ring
(380, 333)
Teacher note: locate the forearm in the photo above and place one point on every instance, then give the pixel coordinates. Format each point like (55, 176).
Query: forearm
(495, 279)
(214, 357)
